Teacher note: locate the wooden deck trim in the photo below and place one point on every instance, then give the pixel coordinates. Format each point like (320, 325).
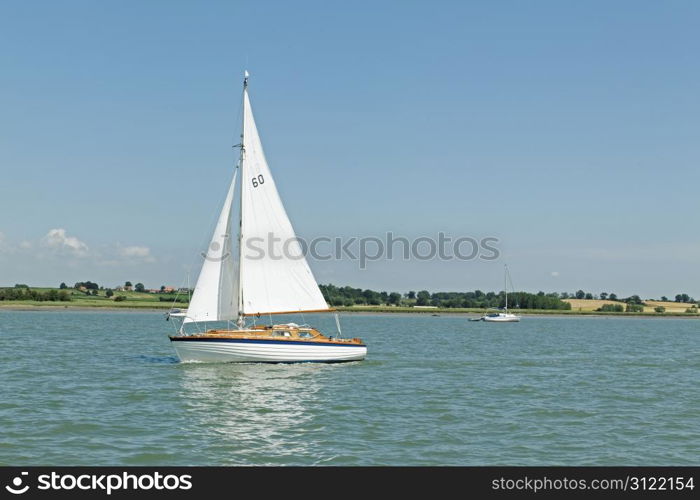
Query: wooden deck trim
(260, 334)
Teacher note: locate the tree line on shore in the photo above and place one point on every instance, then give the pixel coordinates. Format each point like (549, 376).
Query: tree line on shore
(348, 296)
(26, 293)
(90, 288)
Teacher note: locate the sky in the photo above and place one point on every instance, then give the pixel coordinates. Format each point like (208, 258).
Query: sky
(566, 130)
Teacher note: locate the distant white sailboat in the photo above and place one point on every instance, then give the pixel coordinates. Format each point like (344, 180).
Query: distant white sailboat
(505, 316)
(277, 282)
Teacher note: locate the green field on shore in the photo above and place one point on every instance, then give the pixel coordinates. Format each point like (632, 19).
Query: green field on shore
(145, 300)
(80, 299)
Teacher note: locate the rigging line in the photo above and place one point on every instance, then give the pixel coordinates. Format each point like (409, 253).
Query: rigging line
(512, 287)
(239, 120)
(337, 324)
(510, 280)
(175, 328)
(177, 294)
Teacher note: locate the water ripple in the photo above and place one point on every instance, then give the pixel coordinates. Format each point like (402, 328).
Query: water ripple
(98, 388)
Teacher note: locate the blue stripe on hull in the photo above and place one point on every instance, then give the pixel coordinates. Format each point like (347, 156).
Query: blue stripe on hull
(261, 341)
(302, 361)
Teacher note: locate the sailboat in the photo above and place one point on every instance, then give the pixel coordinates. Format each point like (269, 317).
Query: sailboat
(268, 276)
(505, 316)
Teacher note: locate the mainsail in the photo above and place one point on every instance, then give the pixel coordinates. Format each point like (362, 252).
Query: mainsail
(274, 274)
(215, 296)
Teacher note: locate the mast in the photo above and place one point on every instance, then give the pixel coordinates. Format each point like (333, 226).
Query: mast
(505, 284)
(241, 319)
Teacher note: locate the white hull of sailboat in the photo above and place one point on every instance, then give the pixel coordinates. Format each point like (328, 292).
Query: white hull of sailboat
(237, 351)
(502, 318)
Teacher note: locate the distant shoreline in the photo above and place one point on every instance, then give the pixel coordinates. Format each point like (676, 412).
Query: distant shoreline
(521, 312)
(39, 306)
(52, 307)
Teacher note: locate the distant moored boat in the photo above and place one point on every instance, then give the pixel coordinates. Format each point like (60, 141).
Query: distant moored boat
(505, 316)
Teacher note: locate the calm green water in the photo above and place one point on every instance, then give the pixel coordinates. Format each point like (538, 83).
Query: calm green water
(99, 388)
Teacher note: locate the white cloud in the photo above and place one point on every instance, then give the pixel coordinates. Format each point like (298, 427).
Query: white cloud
(554, 274)
(25, 245)
(58, 239)
(136, 253)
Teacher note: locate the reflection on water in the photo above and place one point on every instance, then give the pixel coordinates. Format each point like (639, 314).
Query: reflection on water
(254, 410)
